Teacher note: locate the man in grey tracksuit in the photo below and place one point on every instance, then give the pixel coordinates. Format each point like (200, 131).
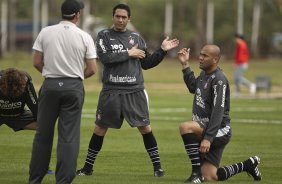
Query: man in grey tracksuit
(65, 55)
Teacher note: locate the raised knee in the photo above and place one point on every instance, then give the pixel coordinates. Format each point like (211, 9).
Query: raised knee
(185, 128)
(182, 127)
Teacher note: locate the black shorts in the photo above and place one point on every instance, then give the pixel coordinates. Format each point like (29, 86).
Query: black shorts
(112, 109)
(18, 122)
(216, 150)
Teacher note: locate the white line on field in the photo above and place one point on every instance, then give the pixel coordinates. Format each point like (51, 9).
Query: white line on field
(90, 114)
(250, 121)
(234, 109)
(174, 118)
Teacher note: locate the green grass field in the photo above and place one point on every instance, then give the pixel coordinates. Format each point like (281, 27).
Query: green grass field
(256, 122)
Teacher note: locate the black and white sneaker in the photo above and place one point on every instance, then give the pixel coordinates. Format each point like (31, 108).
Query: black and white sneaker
(83, 172)
(254, 170)
(159, 173)
(195, 178)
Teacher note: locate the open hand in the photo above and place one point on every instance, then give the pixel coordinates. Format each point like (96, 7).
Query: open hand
(168, 44)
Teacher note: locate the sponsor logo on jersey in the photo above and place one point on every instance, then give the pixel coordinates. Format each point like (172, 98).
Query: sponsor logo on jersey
(131, 40)
(223, 95)
(118, 48)
(101, 43)
(199, 99)
(122, 79)
(31, 95)
(10, 105)
(203, 121)
(215, 94)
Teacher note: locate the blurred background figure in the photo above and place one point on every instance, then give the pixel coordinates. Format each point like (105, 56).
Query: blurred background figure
(241, 59)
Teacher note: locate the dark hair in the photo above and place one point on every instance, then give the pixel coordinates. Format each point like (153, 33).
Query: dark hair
(122, 6)
(70, 8)
(238, 35)
(13, 82)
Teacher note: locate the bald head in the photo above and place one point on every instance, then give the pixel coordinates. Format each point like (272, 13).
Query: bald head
(213, 50)
(209, 58)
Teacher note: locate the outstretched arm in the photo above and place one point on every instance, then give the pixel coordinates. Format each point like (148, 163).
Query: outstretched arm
(152, 60)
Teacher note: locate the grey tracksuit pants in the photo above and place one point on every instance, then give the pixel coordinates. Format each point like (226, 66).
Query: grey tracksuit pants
(59, 99)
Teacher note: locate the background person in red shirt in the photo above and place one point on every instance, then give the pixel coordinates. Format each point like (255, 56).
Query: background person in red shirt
(241, 65)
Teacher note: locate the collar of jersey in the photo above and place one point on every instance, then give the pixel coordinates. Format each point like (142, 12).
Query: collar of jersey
(65, 22)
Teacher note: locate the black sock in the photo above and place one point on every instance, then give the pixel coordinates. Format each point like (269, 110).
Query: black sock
(94, 147)
(223, 173)
(191, 143)
(152, 149)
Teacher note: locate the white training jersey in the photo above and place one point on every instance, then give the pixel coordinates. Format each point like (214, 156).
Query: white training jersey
(65, 48)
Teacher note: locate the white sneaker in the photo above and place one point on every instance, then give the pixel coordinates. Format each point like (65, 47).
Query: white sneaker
(253, 89)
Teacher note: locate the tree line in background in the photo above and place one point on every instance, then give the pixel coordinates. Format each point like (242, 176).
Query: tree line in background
(189, 21)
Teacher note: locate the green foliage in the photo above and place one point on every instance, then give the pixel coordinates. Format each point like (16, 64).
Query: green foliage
(148, 18)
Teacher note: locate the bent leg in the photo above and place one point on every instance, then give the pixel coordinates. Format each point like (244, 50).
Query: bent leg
(191, 127)
(191, 135)
(209, 171)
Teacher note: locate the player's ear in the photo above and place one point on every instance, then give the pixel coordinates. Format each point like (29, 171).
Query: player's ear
(216, 59)
(78, 14)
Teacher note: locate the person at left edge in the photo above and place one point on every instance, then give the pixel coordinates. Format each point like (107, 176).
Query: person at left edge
(65, 55)
(17, 92)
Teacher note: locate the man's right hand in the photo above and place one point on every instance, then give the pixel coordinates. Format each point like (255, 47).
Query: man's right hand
(183, 57)
(136, 53)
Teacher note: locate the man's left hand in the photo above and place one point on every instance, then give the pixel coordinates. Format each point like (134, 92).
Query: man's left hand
(169, 44)
(205, 146)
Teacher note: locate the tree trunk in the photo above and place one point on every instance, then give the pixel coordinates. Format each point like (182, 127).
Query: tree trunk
(210, 21)
(4, 26)
(255, 28)
(200, 26)
(12, 25)
(44, 13)
(240, 17)
(36, 15)
(168, 18)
